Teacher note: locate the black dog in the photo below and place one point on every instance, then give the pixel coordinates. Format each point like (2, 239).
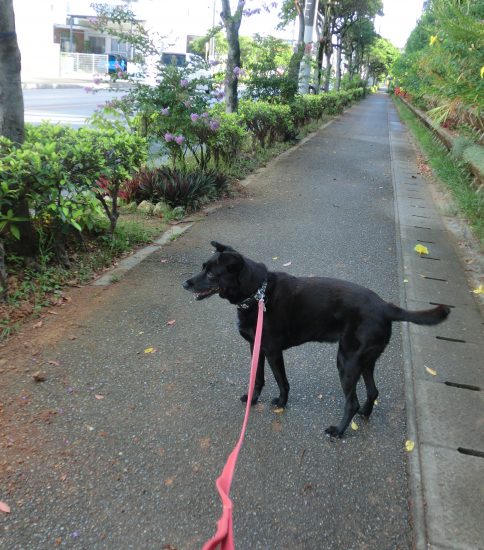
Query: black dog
(307, 309)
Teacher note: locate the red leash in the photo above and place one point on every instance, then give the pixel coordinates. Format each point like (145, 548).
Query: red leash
(224, 535)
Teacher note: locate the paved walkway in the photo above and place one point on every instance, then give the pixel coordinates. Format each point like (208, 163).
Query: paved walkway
(135, 466)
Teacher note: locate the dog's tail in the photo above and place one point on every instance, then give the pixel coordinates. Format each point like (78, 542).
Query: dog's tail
(432, 316)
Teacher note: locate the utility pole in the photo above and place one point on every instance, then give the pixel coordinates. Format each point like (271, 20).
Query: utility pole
(310, 10)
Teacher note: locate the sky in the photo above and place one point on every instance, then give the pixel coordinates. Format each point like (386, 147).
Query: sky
(400, 16)
(399, 19)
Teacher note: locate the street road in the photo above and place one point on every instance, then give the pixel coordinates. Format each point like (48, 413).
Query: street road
(64, 105)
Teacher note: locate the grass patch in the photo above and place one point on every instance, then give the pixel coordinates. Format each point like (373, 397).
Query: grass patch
(32, 290)
(453, 174)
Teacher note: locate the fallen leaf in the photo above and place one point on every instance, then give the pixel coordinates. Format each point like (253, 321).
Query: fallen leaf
(169, 481)
(150, 350)
(478, 290)
(53, 312)
(405, 280)
(55, 363)
(274, 258)
(141, 332)
(171, 323)
(287, 264)
(431, 371)
(421, 249)
(276, 426)
(38, 324)
(320, 396)
(376, 402)
(72, 337)
(409, 445)
(39, 376)
(278, 410)
(5, 508)
(98, 396)
(354, 425)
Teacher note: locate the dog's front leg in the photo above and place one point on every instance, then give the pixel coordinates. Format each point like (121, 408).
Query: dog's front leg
(276, 362)
(259, 377)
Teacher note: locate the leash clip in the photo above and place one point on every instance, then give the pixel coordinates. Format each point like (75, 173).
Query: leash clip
(260, 295)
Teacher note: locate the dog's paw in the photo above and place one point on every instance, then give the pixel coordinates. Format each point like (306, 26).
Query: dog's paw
(365, 410)
(254, 401)
(278, 402)
(333, 431)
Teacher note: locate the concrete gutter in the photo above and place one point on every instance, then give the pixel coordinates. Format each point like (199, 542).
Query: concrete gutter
(445, 403)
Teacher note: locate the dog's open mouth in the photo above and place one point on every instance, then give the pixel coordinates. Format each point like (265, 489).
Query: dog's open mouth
(205, 293)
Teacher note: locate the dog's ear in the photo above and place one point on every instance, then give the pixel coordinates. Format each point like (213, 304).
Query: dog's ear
(231, 260)
(220, 247)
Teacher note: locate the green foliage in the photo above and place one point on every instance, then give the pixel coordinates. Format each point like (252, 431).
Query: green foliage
(179, 187)
(57, 168)
(266, 121)
(441, 67)
(267, 68)
(382, 56)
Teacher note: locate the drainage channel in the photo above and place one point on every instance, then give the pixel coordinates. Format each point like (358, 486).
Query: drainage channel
(443, 381)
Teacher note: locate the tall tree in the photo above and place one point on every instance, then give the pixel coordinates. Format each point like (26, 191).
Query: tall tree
(290, 10)
(12, 116)
(232, 26)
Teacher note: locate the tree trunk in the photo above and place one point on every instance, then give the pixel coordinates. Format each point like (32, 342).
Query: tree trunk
(232, 26)
(305, 72)
(338, 66)
(12, 114)
(295, 61)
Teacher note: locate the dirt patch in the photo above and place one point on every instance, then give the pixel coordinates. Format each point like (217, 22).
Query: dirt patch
(23, 356)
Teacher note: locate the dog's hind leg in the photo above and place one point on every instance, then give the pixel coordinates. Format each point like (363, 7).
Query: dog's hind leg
(276, 362)
(349, 369)
(371, 391)
(369, 360)
(259, 378)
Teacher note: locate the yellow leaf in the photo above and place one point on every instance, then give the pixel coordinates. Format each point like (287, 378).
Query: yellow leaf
(150, 350)
(279, 410)
(354, 425)
(409, 445)
(433, 40)
(482, 72)
(376, 402)
(274, 258)
(405, 280)
(421, 249)
(479, 289)
(431, 371)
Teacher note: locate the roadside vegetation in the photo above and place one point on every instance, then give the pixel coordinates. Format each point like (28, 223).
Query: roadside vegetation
(441, 73)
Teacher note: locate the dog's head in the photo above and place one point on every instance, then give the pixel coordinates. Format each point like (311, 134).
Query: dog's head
(226, 273)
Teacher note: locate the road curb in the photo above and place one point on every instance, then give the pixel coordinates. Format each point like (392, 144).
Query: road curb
(113, 275)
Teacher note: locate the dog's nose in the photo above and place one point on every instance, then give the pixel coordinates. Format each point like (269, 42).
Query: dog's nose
(187, 284)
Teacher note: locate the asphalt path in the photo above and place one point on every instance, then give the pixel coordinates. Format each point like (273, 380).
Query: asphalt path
(136, 468)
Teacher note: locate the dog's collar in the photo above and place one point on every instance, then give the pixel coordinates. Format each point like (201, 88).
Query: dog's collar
(255, 298)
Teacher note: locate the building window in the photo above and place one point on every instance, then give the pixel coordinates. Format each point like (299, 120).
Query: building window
(97, 44)
(119, 47)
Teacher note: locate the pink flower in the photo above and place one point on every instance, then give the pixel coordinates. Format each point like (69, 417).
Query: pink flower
(169, 137)
(194, 117)
(179, 139)
(183, 82)
(214, 125)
